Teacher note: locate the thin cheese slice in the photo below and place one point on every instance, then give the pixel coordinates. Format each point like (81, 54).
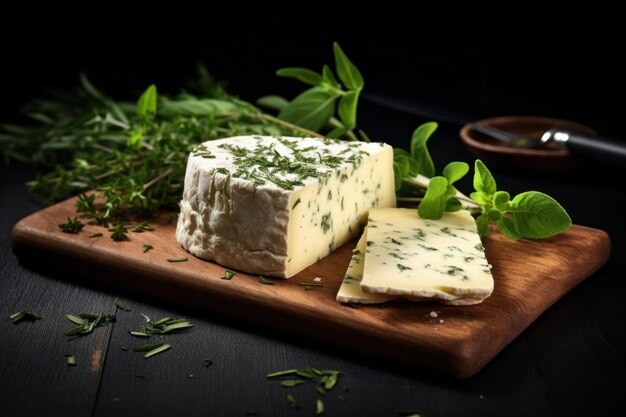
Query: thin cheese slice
(441, 260)
(350, 290)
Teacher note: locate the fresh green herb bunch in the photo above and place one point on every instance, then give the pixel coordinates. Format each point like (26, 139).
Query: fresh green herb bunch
(134, 155)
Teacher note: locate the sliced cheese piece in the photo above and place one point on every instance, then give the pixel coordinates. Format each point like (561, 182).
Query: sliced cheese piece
(441, 260)
(274, 206)
(350, 290)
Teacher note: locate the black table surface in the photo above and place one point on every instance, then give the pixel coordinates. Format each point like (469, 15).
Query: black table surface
(570, 361)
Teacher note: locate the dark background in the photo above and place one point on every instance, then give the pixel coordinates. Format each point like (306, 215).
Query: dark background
(473, 59)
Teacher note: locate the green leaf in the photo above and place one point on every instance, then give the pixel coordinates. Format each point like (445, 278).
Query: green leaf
(454, 171)
(537, 215)
(290, 383)
(507, 227)
(494, 214)
(305, 75)
(480, 197)
(419, 149)
(453, 205)
(482, 224)
(500, 198)
(483, 180)
(273, 102)
(348, 73)
(147, 103)
(397, 176)
(328, 78)
(434, 203)
(197, 107)
(337, 132)
(311, 110)
(347, 108)
(90, 89)
(135, 141)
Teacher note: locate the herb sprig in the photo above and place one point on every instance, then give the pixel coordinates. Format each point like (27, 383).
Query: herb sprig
(25, 315)
(531, 214)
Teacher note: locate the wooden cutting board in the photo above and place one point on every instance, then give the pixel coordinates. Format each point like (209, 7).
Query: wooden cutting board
(529, 277)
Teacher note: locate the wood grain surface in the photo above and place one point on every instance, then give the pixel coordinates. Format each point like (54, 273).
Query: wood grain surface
(529, 277)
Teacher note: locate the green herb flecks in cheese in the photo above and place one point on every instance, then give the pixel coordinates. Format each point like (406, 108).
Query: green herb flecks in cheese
(442, 260)
(274, 206)
(350, 290)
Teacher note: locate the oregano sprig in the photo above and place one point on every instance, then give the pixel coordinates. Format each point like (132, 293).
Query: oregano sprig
(531, 214)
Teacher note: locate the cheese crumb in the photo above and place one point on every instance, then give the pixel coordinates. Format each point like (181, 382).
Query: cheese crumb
(317, 279)
(440, 321)
(433, 314)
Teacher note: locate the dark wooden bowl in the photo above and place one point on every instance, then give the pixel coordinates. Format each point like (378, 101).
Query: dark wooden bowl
(547, 158)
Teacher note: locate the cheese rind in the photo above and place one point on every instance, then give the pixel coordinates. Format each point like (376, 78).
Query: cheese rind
(274, 206)
(422, 259)
(350, 290)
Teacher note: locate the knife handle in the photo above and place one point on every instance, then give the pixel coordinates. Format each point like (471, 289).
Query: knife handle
(611, 151)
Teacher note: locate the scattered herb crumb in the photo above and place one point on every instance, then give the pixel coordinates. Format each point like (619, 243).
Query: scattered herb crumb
(320, 390)
(72, 226)
(177, 259)
(143, 227)
(228, 274)
(124, 348)
(119, 305)
(290, 398)
(25, 315)
(147, 247)
(139, 375)
(191, 376)
(319, 407)
(87, 322)
(281, 373)
(96, 234)
(71, 360)
(291, 383)
(265, 281)
(119, 232)
(207, 362)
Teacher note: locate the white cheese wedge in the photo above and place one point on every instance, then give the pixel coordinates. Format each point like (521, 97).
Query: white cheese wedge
(274, 206)
(441, 260)
(350, 290)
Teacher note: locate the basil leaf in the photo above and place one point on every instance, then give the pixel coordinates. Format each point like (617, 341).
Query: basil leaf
(305, 75)
(347, 108)
(311, 109)
(147, 103)
(482, 224)
(328, 78)
(434, 203)
(348, 73)
(507, 227)
(483, 180)
(537, 215)
(419, 150)
(454, 171)
(273, 102)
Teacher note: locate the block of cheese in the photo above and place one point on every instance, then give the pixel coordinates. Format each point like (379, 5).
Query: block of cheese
(274, 206)
(441, 260)
(350, 290)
